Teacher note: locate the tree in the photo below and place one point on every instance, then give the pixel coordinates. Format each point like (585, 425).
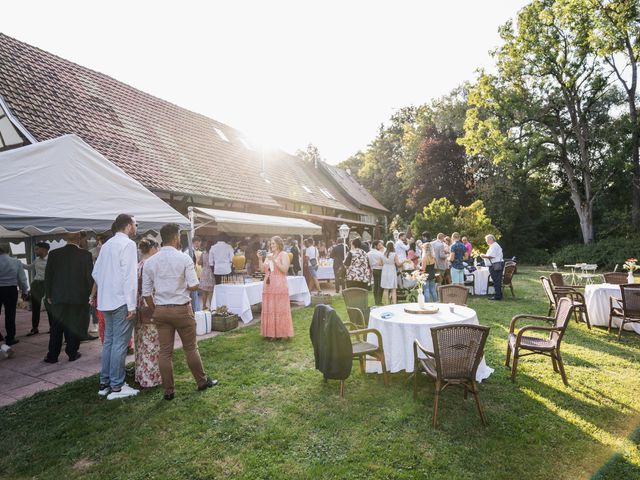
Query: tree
(549, 99)
(441, 216)
(440, 170)
(616, 38)
(311, 154)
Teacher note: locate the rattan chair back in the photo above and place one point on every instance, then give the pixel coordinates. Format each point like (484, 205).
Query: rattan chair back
(615, 278)
(357, 298)
(564, 310)
(557, 280)
(457, 294)
(458, 350)
(507, 275)
(631, 299)
(548, 290)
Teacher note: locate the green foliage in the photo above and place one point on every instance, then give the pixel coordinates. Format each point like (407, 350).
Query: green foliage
(605, 253)
(441, 216)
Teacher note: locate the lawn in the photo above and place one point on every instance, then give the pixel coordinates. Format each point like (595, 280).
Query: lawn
(274, 417)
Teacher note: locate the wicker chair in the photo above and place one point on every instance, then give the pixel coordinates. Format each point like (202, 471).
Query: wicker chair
(615, 278)
(357, 298)
(549, 346)
(470, 282)
(557, 280)
(577, 299)
(507, 277)
(627, 308)
(457, 352)
(453, 294)
(361, 348)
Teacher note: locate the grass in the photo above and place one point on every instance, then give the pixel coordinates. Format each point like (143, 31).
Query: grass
(274, 417)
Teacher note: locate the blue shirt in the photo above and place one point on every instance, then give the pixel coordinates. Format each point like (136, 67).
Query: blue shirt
(460, 251)
(12, 273)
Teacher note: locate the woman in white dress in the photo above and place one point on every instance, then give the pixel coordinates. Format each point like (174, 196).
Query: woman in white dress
(389, 276)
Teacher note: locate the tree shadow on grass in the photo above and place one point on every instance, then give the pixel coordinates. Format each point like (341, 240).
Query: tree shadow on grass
(619, 466)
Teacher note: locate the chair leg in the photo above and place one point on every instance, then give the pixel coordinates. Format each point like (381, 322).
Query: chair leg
(341, 388)
(476, 396)
(621, 327)
(585, 314)
(385, 373)
(550, 309)
(610, 318)
(514, 367)
(434, 423)
(555, 364)
(507, 362)
(415, 383)
(511, 288)
(561, 367)
(361, 360)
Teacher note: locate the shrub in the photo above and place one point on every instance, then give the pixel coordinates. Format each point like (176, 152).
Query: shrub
(606, 253)
(534, 256)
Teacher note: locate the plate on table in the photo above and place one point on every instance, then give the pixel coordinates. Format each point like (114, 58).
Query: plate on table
(426, 310)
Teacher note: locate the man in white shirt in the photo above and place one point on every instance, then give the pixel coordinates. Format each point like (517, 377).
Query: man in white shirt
(495, 261)
(376, 261)
(402, 247)
(221, 258)
(116, 276)
(167, 280)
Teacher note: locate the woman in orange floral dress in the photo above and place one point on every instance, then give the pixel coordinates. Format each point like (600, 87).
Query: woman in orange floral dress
(276, 310)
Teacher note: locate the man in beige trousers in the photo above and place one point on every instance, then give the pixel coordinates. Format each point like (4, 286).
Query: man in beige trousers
(168, 278)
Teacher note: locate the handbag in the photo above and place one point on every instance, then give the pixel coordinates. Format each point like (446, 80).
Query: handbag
(497, 266)
(144, 312)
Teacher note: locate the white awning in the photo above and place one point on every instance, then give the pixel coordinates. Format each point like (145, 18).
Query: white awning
(240, 223)
(63, 185)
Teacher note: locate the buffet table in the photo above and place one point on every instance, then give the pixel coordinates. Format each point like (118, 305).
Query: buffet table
(401, 328)
(239, 297)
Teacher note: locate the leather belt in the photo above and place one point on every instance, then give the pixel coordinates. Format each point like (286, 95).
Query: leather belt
(174, 304)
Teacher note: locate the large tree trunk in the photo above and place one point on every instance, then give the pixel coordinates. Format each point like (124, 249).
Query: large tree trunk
(635, 157)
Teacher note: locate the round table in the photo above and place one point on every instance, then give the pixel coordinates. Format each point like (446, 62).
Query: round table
(597, 299)
(401, 329)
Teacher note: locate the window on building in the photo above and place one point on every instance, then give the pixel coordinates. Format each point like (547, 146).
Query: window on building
(246, 144)
(326, 193)
(221, 134)
(10, 136)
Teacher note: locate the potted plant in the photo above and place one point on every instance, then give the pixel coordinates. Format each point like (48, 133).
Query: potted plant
(223, 320)
(321, 298)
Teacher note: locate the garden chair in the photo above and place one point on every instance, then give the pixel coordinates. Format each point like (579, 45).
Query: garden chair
(538, 345)
(357, 298)
(554, 293)
(615, 278)
(470, 282)
(507, 277)
(627, 308)
(361, 348)
(457, 352)
(453, 294)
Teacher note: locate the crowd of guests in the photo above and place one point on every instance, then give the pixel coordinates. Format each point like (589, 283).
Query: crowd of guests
(379, 266)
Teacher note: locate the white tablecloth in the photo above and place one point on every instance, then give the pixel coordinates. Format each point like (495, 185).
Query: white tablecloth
(326, 273)
(597, 299)
(399, 332)
(239, 298)
(481, 281)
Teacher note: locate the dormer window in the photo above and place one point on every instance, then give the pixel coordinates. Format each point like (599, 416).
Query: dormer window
(10, 136)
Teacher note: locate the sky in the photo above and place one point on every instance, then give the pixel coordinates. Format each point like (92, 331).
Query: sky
(286, 73)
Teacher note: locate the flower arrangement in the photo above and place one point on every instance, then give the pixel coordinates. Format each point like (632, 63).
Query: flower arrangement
(631, 264)
(475, 253)
(419, 277)
(222, 311)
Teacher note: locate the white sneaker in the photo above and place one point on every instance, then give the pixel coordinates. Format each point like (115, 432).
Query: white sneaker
(104, 390)
(125, 391)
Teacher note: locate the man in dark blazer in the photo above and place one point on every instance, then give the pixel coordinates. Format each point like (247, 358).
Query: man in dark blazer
(68, 283)
(338, 254)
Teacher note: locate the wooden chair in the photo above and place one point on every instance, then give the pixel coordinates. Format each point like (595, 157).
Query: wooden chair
(357, 298)
(577, 299)
(453, 294)
(615, 278)
(507, 277)
(457, 352)
(537, 345)
(361, 348)
(627, 308)
(557, 280)
(470, 282)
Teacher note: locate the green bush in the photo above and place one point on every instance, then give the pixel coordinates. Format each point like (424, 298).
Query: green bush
(534, 256)
(606, 253)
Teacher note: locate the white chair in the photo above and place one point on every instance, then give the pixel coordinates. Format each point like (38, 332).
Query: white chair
(555, 266)
(588, 273)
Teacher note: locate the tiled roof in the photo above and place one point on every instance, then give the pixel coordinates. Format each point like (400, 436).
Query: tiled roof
(164, 146)
(350, 186)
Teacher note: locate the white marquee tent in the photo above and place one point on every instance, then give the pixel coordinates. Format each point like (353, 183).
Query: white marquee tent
(64, 185)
